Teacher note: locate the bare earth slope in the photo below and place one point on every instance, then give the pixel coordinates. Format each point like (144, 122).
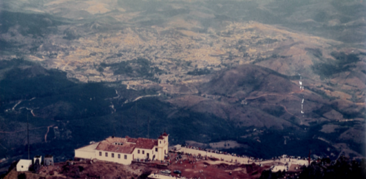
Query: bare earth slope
(93, 64)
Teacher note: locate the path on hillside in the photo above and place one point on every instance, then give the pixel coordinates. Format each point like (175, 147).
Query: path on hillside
(145, 96)
(16, 105)
(274, 94)
(48, 129)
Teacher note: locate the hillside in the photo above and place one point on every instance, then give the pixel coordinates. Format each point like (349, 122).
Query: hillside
(207, 70)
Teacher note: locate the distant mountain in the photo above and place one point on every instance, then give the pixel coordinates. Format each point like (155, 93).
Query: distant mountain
(243, 80)
(205, 70)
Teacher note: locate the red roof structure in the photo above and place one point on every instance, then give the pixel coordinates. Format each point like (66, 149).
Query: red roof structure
(116, 144)
(126, 145)
(163, 135)
(129, 139)
(144, 143)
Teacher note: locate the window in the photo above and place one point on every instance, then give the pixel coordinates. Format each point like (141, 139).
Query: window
(125, 156)
(112, 155)
(138, 151)
(100, 153)
(106, 154)
(156, 149)
(164, 151)
(143, 152)
(160, 141)
(119, 155)
(22, 166)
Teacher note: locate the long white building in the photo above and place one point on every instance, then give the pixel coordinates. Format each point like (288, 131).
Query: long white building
(124, 150)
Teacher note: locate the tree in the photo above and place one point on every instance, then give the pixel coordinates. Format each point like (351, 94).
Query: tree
(22, 176)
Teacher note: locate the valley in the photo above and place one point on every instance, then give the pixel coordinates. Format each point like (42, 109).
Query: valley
(204, 71)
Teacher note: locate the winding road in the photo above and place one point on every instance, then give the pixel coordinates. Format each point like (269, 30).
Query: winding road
(48, 129)
(140, 97)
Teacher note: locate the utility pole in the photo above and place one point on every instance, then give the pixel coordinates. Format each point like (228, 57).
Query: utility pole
(309, 157)
(121, 125)
(135, 131)
(114, 131)
(28, 137)
(148, 127)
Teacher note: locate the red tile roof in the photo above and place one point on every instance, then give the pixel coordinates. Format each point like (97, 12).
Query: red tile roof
(144, 143)
(126, 145)
(109, 145)
(129, 139)
(165, 134)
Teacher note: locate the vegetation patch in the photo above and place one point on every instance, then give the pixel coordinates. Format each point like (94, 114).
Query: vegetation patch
(139, 67)
(315, 51)
(34, 24)
(197, 72)
(342, 63)
(275, 111)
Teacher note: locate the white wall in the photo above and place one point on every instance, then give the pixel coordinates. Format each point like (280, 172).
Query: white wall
(109, 158)
(40, 160)
(155, 153)
(23, 165)
(163, 147)
(146, 151)
(84, 154)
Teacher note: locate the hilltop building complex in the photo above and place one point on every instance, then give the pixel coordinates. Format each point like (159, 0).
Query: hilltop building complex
(125, 150)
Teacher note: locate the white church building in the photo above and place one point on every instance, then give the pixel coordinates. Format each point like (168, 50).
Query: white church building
(125, 150)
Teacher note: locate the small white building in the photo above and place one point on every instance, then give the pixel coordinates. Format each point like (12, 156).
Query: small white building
(277, 168)
(125, 150)
(39, 158)
(48, 160)
(177, 147)
(23, 165)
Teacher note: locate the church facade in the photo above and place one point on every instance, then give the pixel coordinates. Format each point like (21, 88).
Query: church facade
(125, 150)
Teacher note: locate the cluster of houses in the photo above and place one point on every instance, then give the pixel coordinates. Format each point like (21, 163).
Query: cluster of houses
(126, 150)
(113, 149)
(34, 165)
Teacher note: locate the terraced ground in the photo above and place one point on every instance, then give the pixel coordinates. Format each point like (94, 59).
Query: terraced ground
(207, 71)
